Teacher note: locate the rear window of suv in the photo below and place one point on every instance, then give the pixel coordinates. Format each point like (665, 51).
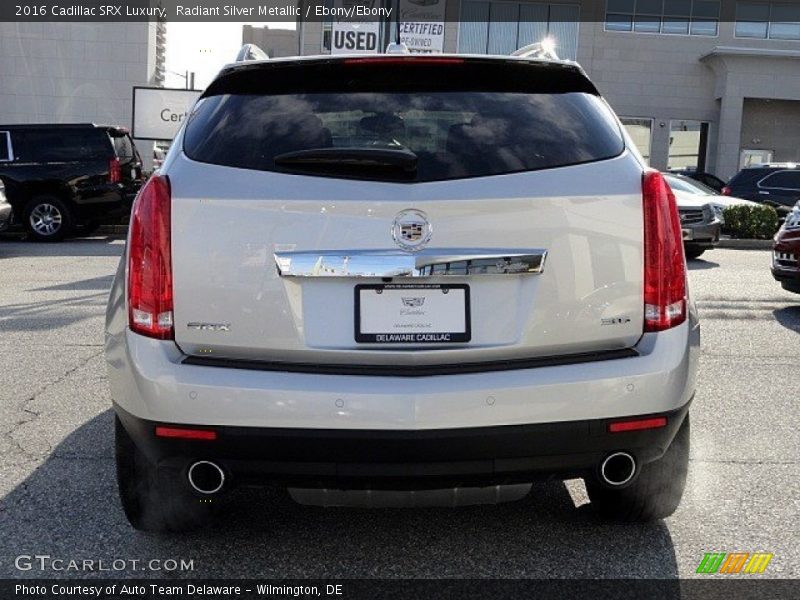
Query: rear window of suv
(123, 146)
(787, 180)
(64, 145)
(470, 123)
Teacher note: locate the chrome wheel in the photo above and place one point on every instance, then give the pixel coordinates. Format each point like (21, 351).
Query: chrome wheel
(45, 219)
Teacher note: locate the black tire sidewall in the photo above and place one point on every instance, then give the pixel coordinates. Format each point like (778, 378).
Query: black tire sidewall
(66, 218)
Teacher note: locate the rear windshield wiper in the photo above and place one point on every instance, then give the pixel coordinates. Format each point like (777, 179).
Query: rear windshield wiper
(349, 157)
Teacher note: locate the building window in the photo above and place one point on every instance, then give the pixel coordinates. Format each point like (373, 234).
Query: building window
(688, 145)
(776, 21)
(640, 132)
(502, 27)
(676, 17)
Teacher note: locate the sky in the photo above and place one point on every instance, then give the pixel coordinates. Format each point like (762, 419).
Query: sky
(204, 48)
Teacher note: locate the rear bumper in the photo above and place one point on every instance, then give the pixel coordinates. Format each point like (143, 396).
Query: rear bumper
(787, 272)
(397, 460)
(398, 432)
(149, 380)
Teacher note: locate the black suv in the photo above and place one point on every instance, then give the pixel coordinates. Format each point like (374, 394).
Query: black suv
(707, 179)
(63, 178)
(775, 184)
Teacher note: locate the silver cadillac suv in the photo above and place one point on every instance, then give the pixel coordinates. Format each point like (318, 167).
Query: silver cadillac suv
(395, 273)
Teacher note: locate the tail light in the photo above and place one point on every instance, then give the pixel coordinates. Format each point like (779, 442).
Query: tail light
(726, 191)
(114, 171)
(150, 262)
(664, 263)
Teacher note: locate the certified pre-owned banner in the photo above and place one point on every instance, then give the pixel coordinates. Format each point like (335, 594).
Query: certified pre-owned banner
(422, 25)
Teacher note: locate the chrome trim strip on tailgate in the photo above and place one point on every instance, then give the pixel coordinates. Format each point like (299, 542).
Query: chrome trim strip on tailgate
(427, 263)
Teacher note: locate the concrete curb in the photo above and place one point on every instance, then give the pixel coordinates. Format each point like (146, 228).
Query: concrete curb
(734, 244)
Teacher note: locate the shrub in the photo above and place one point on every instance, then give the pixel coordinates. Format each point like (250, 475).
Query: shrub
(751, 222)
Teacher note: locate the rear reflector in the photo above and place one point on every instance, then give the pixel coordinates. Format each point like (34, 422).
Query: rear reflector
(403, 60)
(150, 262)
(186, 434)
(638, 425)
(664, 262)
(726, 191)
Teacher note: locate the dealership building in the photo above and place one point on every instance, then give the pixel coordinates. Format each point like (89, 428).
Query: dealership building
(711, 84)
(71, 72)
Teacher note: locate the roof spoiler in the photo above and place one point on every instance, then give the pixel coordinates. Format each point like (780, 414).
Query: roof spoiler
(251, 52)
(546, 49)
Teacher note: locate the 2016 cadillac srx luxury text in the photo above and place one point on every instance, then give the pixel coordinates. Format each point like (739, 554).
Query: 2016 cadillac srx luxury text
(357, 277)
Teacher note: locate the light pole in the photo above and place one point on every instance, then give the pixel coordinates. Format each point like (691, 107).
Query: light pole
(188, 77)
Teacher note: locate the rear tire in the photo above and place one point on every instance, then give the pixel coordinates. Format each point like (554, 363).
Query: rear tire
(655, 494)
(152, 499)
(47, 219)
(694, 252)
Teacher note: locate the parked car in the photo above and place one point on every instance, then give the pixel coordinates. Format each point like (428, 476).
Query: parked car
(717, 201)
(5, 209)
(707, 179)
(775, 184)
(401, 273)
(786, 252)
(700, 223)
(64, 178)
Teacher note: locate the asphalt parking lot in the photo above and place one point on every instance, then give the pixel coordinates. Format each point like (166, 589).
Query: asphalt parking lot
(58, 491)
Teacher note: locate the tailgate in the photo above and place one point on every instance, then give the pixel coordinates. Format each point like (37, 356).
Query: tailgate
(413, 210)
(231, 299)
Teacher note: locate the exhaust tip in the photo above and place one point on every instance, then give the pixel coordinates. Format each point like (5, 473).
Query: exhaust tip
(206, 477)
(618, 469)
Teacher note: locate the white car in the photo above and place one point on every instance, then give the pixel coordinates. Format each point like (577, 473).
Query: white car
(392, 273)
(700, 193)
(701, 222)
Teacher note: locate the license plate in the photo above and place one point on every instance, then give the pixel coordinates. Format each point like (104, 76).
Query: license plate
(412, 314)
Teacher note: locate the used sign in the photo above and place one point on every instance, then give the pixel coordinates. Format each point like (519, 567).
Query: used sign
(355, 34)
